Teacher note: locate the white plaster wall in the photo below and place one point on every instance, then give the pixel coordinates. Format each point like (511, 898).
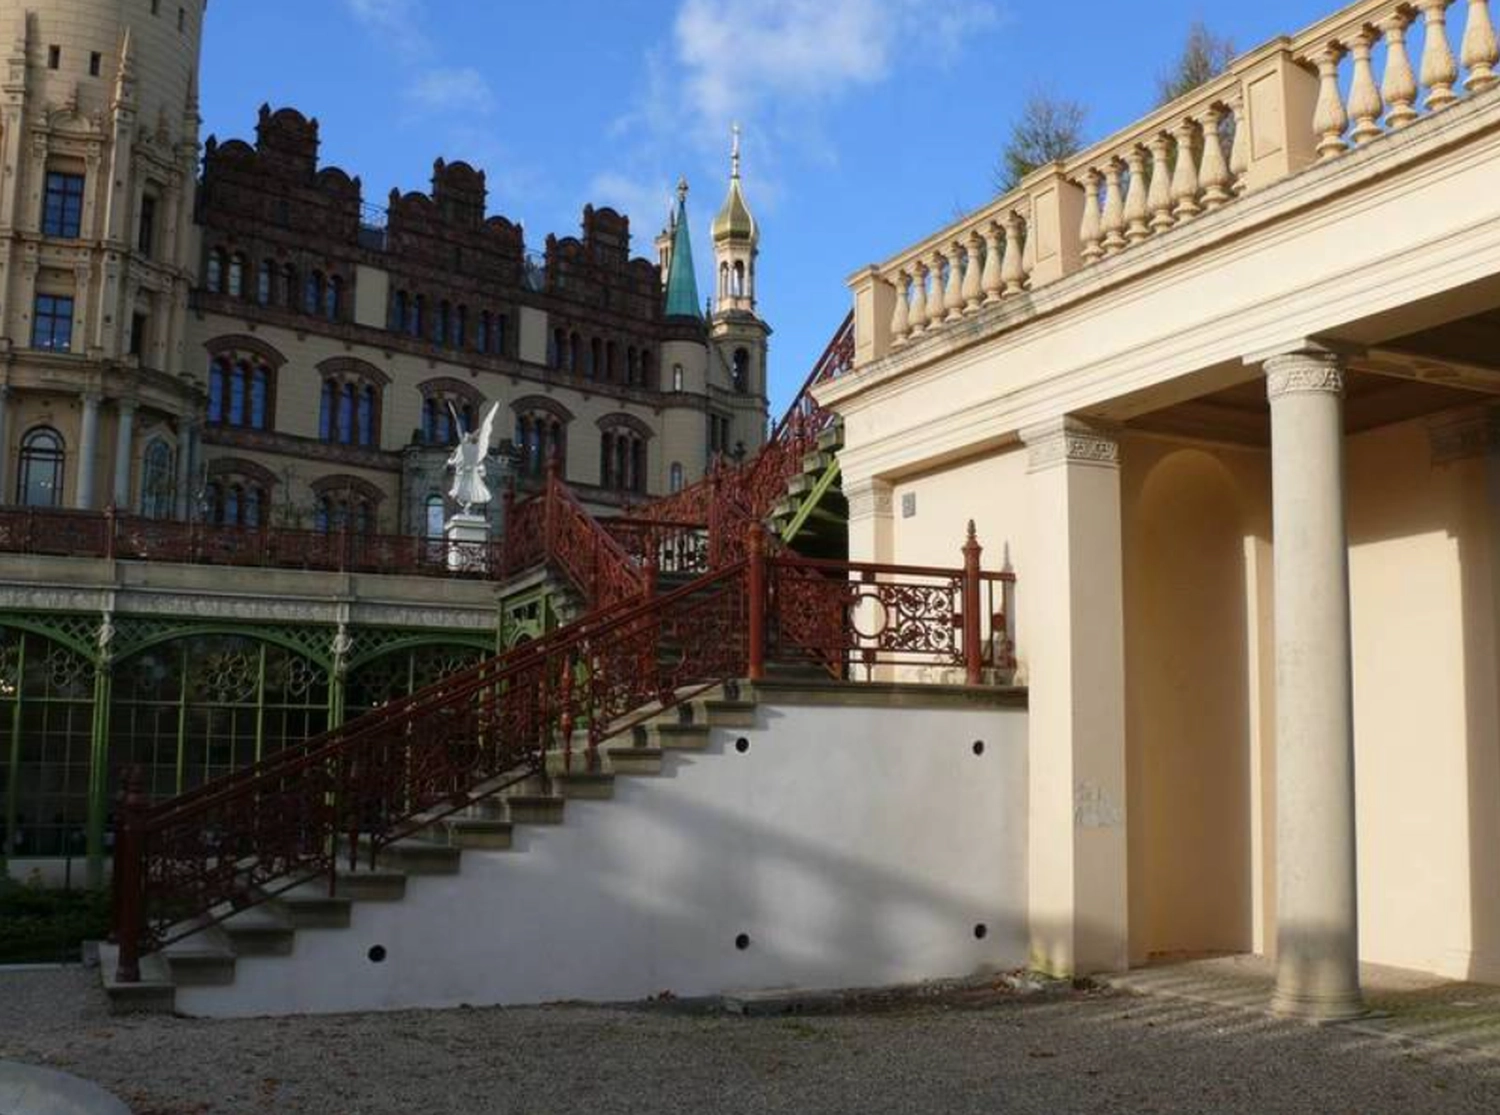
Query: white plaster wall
(855, 846)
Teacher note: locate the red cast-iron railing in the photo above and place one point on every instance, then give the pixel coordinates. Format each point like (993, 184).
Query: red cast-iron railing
(341, 797)
(106, 534)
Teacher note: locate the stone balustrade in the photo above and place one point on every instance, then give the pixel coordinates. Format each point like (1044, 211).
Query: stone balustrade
(1286, 106)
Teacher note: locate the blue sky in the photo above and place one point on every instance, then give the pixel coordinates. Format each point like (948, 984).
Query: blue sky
(868, 123)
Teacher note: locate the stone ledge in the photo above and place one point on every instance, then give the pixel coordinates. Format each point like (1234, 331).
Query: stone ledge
(882, 694)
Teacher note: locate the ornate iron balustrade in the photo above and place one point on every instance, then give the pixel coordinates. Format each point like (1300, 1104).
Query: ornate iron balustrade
(294, 817)
(29, 530)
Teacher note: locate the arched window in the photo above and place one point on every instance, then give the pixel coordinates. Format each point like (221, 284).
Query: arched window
(237, 276)
(263, 275)
(459, 335)
(437, 513)
(440, 399)
(398, 312)
(740, 370)
(289, 286)
(541, 435)
(482, 342)
(575, 353)
(558, 354)
(739, 278)
(312, 293)
(349, 404)
(157, 476)
(611, 360)
(677, 377)
(39, 481)
(218, 374)
(250, 509)
(675, 478)
(242, 383)
(622, 453)
(213, 277)
(237, 394)
(345, 503)
(260, 390)
(333, 297)
(416, 322)
(594, 359)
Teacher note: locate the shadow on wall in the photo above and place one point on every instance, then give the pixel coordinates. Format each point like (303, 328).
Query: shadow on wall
(1188, 750)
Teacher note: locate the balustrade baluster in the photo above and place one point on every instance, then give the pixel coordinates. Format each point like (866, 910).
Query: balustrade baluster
(935, 306)
(1159, 198)
(918, 311)
(1239, 154)
(1439, 69)
(1364, 98)
(900, 321)
(953, 294)
(1114, 209)
(973, 288)
(1089, 231)
(1399, 87)
(1136, 214)
(1214, 172)
(993, 281)
(1185, 174)
(1329, 117)
(1014, 270)
(1478, 48)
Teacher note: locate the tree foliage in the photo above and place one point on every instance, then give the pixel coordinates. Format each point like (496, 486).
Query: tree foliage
(1204, 57)
(1048, 128)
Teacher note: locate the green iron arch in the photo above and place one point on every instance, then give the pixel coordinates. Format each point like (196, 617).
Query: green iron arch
(125, 648)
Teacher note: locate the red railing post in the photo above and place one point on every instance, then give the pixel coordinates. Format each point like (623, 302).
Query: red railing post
(130, 878)
(508, 512)
(30, 535)
(973, 651)
(755, 589)
(109, 530)
(549, 509)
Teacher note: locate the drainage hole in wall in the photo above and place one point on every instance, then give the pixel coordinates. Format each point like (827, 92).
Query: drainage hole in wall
(979, 747)
(742, 745)
(742, 942)
(376, 954)
(981, 931)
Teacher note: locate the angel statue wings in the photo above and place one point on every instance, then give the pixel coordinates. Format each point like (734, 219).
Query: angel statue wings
(467, 461)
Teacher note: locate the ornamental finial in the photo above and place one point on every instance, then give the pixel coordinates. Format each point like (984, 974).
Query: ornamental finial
(734, 156)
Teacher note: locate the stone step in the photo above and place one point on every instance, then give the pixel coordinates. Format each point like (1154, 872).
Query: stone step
(489, 833)
(816, 461)
(801, 484)
(371, 886)
(632, 759)
(535, 809)
(724, 713)
(312, 907)
(677, 737)
(260, 931)
(204, 960)
(420, 857)
(587, 786)
(831, 440)
(154, 994)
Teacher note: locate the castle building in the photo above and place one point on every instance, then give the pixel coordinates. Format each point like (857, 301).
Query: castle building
(247, 343)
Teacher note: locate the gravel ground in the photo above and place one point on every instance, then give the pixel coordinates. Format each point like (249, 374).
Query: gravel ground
(994, 1053)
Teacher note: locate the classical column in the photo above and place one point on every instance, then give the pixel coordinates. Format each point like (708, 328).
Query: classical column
(1317, 926)
(88, 451)
(186, 433)
(871, 519)
(4, 443)
(1072, 603)
(124, 454)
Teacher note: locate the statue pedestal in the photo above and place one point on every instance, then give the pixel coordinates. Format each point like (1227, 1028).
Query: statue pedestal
(467, 534)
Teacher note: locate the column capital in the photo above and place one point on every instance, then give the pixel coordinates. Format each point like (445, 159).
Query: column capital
(1071, 441)
(91, 398)
(1313, 372)
(869, 499)
(126, 406)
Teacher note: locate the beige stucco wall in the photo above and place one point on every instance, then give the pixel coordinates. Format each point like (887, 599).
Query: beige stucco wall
(1427, 735)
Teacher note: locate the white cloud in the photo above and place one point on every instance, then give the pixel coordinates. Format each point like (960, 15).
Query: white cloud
(445, 90)
(741, 57)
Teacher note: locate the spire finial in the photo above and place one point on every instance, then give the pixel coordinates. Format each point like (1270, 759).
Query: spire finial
(682, 189)
(734, 157)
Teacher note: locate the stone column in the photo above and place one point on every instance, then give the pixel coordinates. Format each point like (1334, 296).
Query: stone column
(186, 432)
(1317, 924)
(871, 519)
(1072, 604)
(88, 452)
(124, 455)
(4, 443)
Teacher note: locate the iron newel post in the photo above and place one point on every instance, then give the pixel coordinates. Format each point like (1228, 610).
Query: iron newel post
(130, 877)
(755, 589)
(973, 652)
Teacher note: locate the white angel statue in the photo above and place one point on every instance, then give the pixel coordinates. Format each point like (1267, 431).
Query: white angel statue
(467, 461)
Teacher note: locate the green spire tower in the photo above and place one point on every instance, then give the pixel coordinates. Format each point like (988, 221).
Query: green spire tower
(682, 282)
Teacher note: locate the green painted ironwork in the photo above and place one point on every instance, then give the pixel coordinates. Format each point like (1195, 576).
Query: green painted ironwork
(810, 502)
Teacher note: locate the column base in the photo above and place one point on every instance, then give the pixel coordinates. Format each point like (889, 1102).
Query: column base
(1341, 1006)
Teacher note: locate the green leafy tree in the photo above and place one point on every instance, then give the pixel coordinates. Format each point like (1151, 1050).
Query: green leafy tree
(1048, 128)
(1204, 57)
